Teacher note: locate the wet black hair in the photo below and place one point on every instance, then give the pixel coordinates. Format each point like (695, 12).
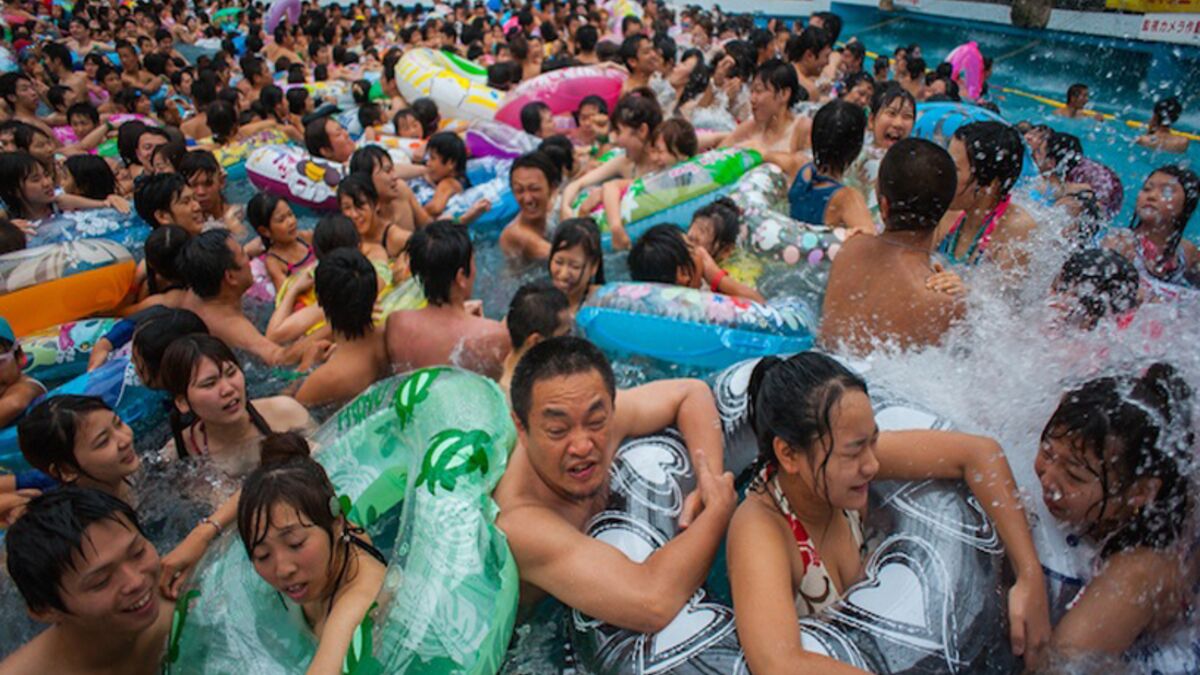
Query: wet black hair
(561, 151)
(586, 37)
(222, 120)
(1075, 90)
(360, 188)
(541, 162)
(316, 138)
(917, 179)
(629, 49)
(837, 135)
(12, 238)
(436, 254)
(583, 232)
(268, 99)
(368, 158)
(1065, 150)
(915, 68)
(995, 152)
(155, 193)
(678, 135)
(1103, 281)
(793, 400)
(778, 76)
(726, 217)
(426, 112)
(556, 357)
(177, 367)
(332, 232)
(1191, 196)
(531, 117)
(86, 109)
(286, 474)
(15, 169)
(196, 162)
(888, 92)
(347, 285)
(46, 434)
(173, 151)
(659, 254)
(92, 175)
(45, 542)
(1138, 428)
(1168, 110)
(159, 326)
(637, 108)
(162, 249)
(451, 148)
(810, 40)
(535, 308)
(204, 261)
(297, 100)
(370, 114)
(830, 23)
(259, 211)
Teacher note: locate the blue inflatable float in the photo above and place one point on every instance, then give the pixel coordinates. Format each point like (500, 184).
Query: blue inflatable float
(938, 121)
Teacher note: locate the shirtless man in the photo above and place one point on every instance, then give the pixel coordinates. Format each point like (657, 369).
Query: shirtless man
(324, 137)
(538, 311)
(570, 420)
(217, 273)
(809, 54)
(774, 128)
(60, 66)
(283, 46)
(82, 564)
(445, 332)
(133, 74)
(885, 288)
(347, 285)
(637, 53)
(1078, 96)
(21, 97)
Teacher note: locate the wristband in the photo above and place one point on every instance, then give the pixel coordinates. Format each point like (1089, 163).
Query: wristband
(210, 521)
(716, 281)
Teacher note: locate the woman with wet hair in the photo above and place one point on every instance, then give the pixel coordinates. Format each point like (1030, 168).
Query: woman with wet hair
(1154, 241)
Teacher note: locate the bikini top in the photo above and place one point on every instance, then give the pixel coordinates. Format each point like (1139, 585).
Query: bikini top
(1173, 271)
(817, 590)
(807, 200)
(950, 242)
(292, 267)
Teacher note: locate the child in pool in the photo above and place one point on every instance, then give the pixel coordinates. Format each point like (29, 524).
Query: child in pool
(287, 249)
(538, 311)
(796, 544)
(301, 544)
(665, 255)
(1158, 132)
(12, 238)
(164, 283)
(716, 228)
(398, 208)
(63, 555)
(446, 161)
(592, 126)
(576, 262)
(1111, 468)
(17, 390)
(636, 117)
(1154, 242)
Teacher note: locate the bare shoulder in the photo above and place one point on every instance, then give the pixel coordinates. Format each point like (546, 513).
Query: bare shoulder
(33, 658)
(283, 412)
(1018, 225)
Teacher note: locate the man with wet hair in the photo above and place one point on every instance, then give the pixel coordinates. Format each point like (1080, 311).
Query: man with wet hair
(886, 288)
(808, 52)
(570, 419)
(451, 329)
(1078, 96)
(83, 565)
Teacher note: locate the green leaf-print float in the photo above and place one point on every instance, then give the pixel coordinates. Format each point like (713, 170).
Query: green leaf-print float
(452, 454)
(414, 390)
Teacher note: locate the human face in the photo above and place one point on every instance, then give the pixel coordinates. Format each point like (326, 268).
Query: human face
(112, 82)
(128, 58)
(407, 126)
(703, 234)
(567, 439)
(207, 189)
(38, 187)
(766, 102)
(1081, 99)
(648, 59)
(682, 72)
(186, 211)
(860, 95)
(185, 84)
(340, 144)
(386, 182)
(11, 362)
(27, 97)
(532, 192)
(439, 167)
(146, 145)
(283, 224)
(661, 156)
(111, 586)
(294, 556)
(936, 88)
(42, 149)
(848, 454)
(78, 31)
(216, 393)
(104, 448)
(893, 123)
(700, 37)
(363, 215)
(1160, 201)
(963, 194)
(632, 139)
(547, 126)
(1071, 487)
(571, 271)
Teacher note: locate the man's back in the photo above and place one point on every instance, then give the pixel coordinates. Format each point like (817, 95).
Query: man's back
(877, 292)
(445, 336)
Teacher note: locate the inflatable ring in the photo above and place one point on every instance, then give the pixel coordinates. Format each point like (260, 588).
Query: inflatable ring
(675, 194)
(691, 327)
(563, 90)
(61, 352)
(967, 68)
(232, 156)
(50, 285)
(291, 173)
(456, 91)
(931, 599)
(125, 229)
(117, 383)
(489, 179)
(417, 456)
(493, 139)
(278, 11)
(938, 121)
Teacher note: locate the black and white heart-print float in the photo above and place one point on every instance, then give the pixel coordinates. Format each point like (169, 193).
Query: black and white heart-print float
(931, 601)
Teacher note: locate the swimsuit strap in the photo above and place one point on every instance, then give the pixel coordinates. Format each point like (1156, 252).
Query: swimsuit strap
(364, 545)
(201, 446)
(949, 245)
(799, 532)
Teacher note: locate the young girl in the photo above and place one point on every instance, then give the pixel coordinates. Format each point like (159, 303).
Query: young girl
(818, 195)
(1110, 467)
(79, 440)
(301, 543)
(287, 249)
(446, 161)
(26, 188)
(576, 262)
(1158, 132)
(207, 384)
(796, 543)
(164, 283)
(665, 255)
(893, 113)
(1155, 242)
(397, 208)
(89, 176)
(636, 117)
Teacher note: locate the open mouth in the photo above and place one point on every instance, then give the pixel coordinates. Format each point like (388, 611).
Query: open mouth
(233, 404)
(141, 605)
(296, 591)
(582, 471)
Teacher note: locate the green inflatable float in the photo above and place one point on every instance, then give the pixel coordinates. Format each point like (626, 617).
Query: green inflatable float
(416, 457)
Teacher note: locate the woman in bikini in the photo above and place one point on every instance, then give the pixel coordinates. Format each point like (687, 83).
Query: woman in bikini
(773, 92)
(1167, 262)
(796, 543)
(982, 220)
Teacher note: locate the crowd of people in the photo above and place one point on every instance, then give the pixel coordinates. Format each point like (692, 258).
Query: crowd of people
(919, 218)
